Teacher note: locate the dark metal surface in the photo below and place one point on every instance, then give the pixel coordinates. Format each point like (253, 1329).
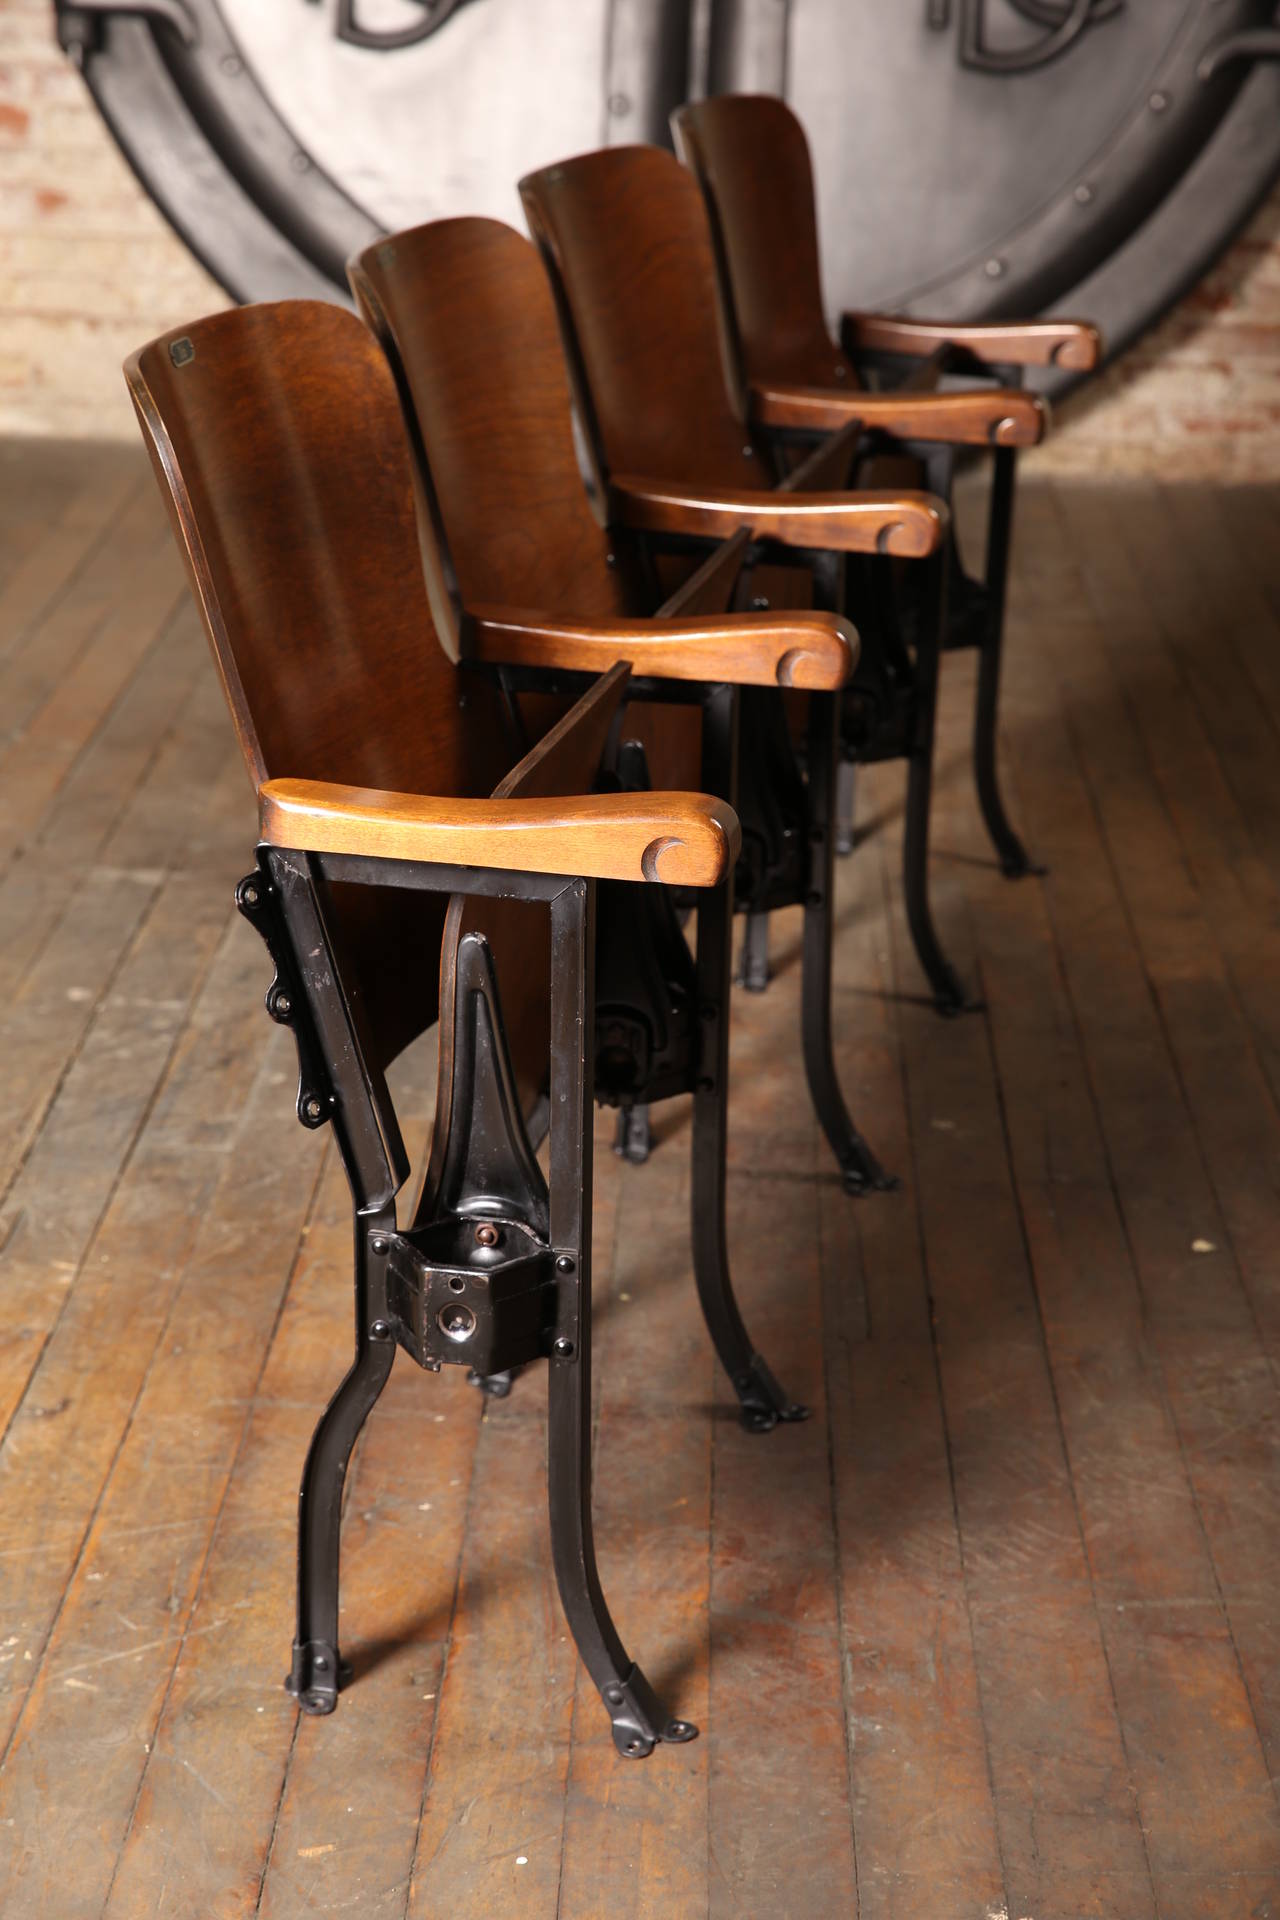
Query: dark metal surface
(762, 1400)
(496, 1269)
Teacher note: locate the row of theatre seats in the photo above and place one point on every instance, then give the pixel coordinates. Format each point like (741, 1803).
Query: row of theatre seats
(511, 729)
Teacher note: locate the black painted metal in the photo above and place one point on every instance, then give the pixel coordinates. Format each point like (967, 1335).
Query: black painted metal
(1014, 859)
(948, 991)
(496, 1268)
(289, 904)
(638, 1717)
(763, 1401)
(860, 1170)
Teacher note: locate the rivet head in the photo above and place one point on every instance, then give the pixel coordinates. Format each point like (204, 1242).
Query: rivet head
(283, 1005)
(1158, 102)
(322, 1663)
(565, 1263)
(378, 1244)
(1083, 194)
(993, 268)
(314, 1109)
(563, 1348)
(250, 896)
(487, 1235)
(614, 1696)
(380, 1330)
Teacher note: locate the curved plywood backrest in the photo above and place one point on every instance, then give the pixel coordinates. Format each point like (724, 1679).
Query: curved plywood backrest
(749, 155)
(625, 237)
(464, 313)
(276, 436)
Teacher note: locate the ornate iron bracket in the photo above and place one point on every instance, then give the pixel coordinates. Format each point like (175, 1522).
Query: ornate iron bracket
(78, 25)
(256, 898)
(347, 27)
(1262, 44)
(1064, 22)
(476, 1282)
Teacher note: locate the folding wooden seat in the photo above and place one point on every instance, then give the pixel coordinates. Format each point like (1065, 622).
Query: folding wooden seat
(626, 240)
(390, 859)
(750, 156)
(522, 575)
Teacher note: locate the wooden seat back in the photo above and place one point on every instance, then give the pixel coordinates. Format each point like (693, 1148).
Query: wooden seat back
(276, 436)
(750, 157)
(464, 313)
(625, 238)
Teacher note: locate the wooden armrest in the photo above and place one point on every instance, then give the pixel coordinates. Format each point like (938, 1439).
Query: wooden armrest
(813, 651)
(979, 417)
(908, 525)
(681, 839)
(1073, 345)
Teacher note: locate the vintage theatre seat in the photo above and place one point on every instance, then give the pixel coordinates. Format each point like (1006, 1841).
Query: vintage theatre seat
(749, 155)
(409, 837)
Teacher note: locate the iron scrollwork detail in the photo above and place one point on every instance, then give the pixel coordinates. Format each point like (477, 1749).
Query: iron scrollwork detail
(1063, 21)
(348, 26)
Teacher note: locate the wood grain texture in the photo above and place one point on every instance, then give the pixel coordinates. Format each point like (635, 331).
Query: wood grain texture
(809, 651)
(907, 526)
(983, 417)
(681, 839)
(1074, 345)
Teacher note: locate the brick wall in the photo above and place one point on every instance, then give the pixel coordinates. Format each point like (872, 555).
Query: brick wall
(89, 269)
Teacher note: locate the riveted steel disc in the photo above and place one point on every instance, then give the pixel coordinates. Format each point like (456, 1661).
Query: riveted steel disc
(973, 157)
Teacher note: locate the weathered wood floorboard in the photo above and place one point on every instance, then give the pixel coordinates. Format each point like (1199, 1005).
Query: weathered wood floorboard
(993, 1634)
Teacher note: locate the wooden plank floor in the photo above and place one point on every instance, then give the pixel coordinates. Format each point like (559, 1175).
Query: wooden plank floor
(994, 1636)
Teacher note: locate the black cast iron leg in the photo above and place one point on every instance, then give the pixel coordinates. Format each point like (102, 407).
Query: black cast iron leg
(846, 806)
(763, 1401)
(318, 1670)
(754, 966)
(639, 1718)
(1015, 862)
(860, 1171)
(633, 1134)
(948, 992)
